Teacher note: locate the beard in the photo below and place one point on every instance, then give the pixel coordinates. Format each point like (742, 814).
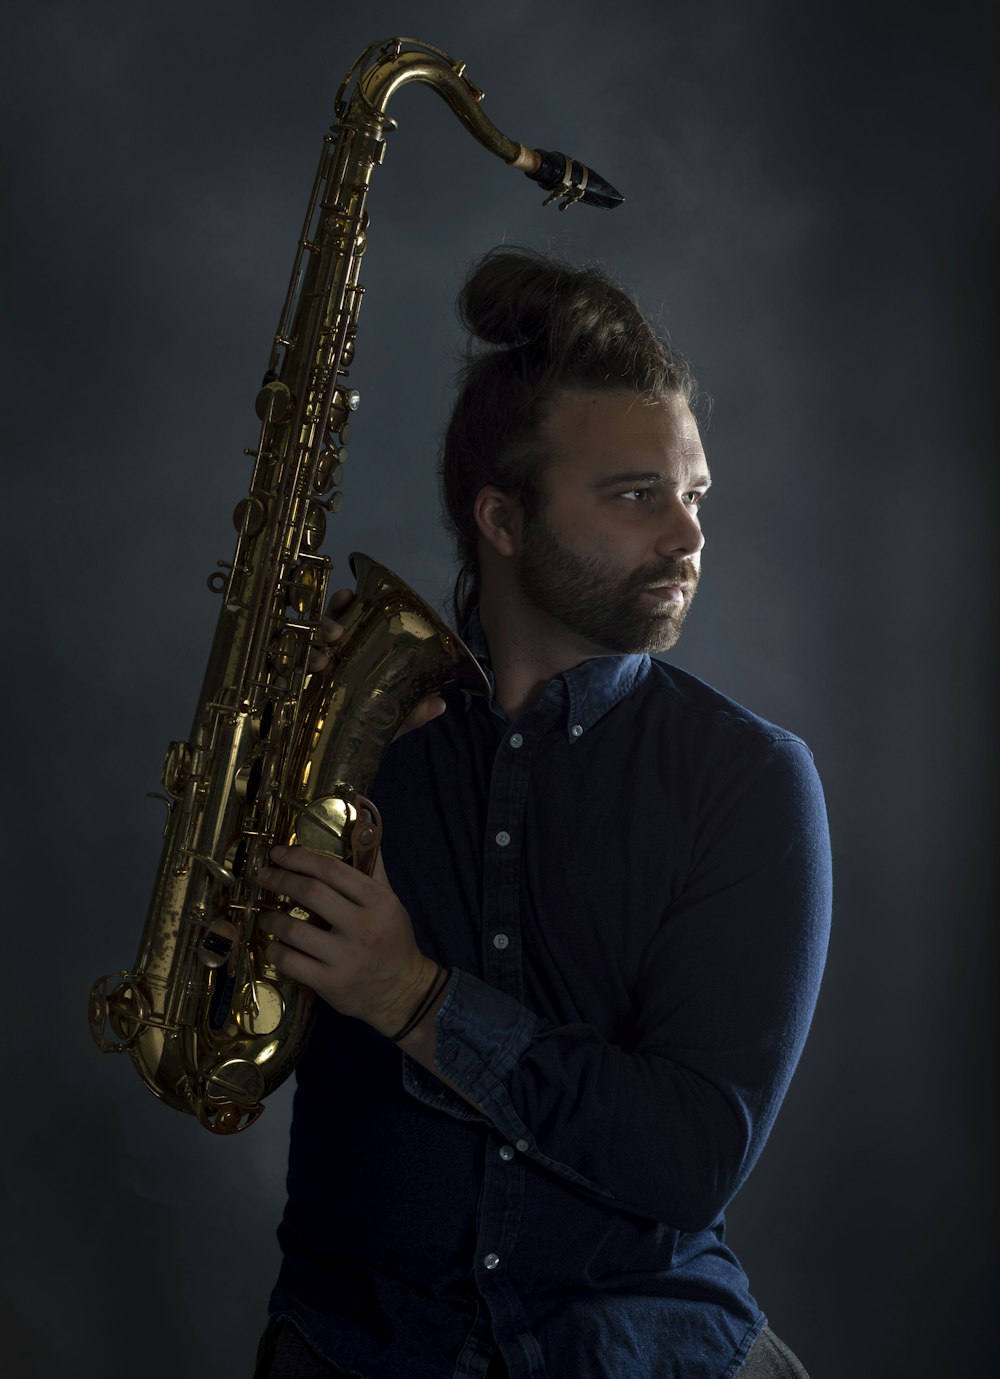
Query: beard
(599, 600)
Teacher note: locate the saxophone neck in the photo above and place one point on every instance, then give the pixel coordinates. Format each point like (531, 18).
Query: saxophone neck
(396, 67)
(403, 60)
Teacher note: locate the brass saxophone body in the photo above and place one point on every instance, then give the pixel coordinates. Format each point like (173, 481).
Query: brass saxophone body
(277, 754)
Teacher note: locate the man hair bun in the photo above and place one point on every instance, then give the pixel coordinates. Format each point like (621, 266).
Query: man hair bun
(512, 296)
(565, 321)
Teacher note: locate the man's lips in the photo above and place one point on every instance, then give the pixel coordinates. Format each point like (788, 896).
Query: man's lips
(670, 593)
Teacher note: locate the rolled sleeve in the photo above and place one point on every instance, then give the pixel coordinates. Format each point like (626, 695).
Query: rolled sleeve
(481, 1033)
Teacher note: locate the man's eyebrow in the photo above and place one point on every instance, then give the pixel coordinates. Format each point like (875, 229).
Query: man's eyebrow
(651, 477)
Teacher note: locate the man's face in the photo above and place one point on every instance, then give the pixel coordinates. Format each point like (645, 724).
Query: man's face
(613, 553)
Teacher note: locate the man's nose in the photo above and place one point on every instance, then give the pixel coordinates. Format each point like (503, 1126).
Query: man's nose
(682, 534)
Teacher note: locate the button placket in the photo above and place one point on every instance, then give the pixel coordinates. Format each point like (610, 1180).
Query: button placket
(502, 965)
(504, 841)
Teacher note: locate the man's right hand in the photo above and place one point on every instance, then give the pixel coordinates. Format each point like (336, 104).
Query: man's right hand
(331, 629)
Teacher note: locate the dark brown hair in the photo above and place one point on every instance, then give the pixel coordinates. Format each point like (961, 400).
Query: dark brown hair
(547, 326)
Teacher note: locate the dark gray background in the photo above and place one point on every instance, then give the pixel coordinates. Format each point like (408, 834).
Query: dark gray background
(811, 213)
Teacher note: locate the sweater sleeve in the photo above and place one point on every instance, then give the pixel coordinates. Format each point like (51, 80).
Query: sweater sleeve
(670, 1127)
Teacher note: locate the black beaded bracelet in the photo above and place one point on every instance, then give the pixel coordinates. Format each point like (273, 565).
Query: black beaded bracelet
(438, 982)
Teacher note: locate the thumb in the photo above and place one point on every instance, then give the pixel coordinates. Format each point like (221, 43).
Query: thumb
(379, 873)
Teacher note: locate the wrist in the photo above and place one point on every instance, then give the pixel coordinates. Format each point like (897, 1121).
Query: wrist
(394, 1007)
(424, 1009)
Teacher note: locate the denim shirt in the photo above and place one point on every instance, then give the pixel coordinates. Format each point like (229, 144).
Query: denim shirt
(631, 886)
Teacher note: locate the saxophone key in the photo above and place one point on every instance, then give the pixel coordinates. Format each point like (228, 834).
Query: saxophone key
(176, 768)
(247, 781)
(274, 404)
(124, 1010)
(283, 651)
(314, 527)
(249, 516)
(330, 468)
(304, 591)
(259, 1008)
(217, 943)
(345, 401)
(233, 1081)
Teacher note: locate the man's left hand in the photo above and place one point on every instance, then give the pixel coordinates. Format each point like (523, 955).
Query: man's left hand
(367, 963)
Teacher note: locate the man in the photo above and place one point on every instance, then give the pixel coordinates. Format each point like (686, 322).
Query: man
(556, 1026)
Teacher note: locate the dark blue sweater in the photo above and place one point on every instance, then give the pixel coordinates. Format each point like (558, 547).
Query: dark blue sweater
(633, 890)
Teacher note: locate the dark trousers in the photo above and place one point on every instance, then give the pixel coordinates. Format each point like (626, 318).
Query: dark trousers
(283, 1354)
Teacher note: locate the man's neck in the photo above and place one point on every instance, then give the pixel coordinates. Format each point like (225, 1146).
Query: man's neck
(527, 650)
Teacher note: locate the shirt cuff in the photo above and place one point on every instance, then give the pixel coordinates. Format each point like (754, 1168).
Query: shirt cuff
(481, 1033)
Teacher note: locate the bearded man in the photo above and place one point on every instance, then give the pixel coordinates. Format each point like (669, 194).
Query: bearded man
(557, 1024)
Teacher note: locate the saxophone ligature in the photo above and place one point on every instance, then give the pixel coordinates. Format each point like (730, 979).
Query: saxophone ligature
(276, 753)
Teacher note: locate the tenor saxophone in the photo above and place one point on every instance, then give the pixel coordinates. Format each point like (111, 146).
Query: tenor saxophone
(276, 753)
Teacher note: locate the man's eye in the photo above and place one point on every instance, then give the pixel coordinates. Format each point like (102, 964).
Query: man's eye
(637, 495)
(694, 499)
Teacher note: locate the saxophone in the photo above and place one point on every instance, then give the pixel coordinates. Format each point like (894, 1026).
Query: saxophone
(276, 753)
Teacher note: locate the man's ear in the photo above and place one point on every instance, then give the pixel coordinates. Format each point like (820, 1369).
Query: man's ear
(499, 517)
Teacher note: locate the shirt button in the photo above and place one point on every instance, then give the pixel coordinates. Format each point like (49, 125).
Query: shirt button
(448, 1053)
(503, 838)
(491, 1261)
(523, 1146)
(500, 941)
(506, 1152)
(577, 730)
(516, 740)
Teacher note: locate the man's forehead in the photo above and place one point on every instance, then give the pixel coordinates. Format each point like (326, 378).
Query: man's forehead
(620, 425)
(576, 408)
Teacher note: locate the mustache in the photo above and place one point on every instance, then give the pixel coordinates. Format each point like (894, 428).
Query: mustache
(678, 571)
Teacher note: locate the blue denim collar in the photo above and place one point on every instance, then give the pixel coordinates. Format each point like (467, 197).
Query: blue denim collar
(589, 689)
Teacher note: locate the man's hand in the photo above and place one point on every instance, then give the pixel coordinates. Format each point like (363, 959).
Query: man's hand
(331, 630)
(367, 964)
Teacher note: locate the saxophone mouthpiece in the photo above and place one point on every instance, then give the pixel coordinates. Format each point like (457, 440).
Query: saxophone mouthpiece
(564, 177)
